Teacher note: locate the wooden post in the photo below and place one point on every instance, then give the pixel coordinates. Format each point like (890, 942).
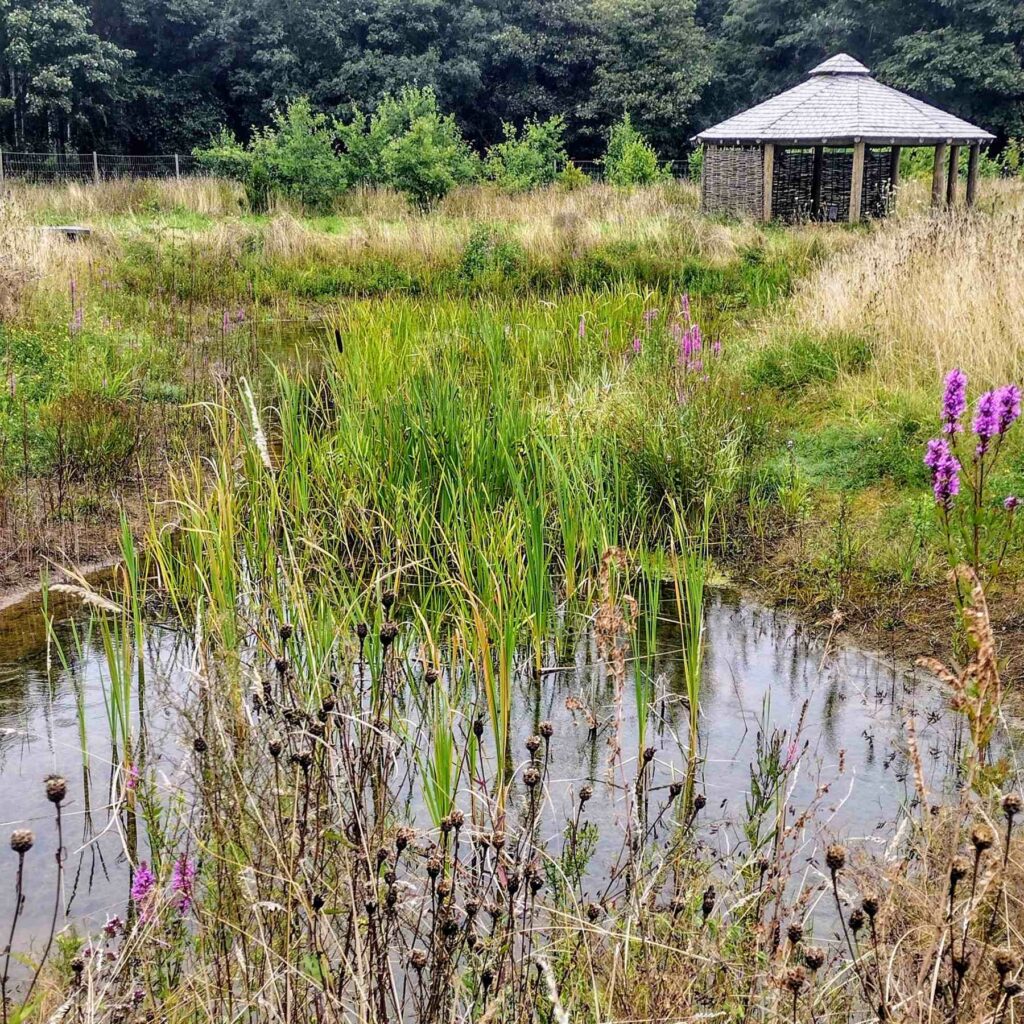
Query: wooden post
(972, 173)
(857, 182)
(938, 173)
(95, 168)
(953, 178)
(894, 171)
(819, 157)
(3, 176)
(769, 178)
(177, 168)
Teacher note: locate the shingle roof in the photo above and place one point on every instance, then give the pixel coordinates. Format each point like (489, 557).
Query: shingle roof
(840, 103)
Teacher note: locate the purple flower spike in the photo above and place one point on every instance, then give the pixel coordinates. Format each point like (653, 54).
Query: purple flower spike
(1010, 502)
(183, 879)
(954, 401)
(945, 472)
(1008, 401)
(143, 889)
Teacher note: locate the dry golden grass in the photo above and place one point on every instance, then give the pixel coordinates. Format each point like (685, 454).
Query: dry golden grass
(72, 201)
(932, 291)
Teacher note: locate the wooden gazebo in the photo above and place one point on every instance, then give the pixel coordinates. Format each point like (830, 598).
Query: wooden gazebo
(829, 149)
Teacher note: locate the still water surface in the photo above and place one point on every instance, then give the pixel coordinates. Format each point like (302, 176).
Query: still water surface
(763, 672)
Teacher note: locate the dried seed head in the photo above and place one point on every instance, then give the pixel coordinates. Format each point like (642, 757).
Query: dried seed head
(512, 883)
(531, 777)
(444, 889)
(387, 599)
(856, 920)
(648, 755)
(56, 788)
(1005, 963)
(958, 870)
(794, 979)
(814, 957)
(328, 705)
(795, 932)
(486, 978)
(1012, 805)
(433, 867)
(303, 758)
(361, 630)
(1012, 989)
(430, 676)
(536, 884)
(199, 745)
(274, 747)
(418, 959)
(546, 729)
(281, 664)
(472, 907)
(317, 901)
(982, 838)
(699, 802)
(478, 727)
(674, 790)
(835, 857)
(457, 819)
(707, 903)
(677, 903)
(285, 632)
(533, 744)
(870, 904)
(22, 840)
(593, 912)
(961, 965)
(586, 792)
(498, 840)
(388, 632)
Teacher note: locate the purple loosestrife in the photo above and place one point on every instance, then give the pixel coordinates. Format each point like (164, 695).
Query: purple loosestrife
(997, 411)
(143, 890)
(183, 879)
(1010, 502)
(945, 472)
(954, 401)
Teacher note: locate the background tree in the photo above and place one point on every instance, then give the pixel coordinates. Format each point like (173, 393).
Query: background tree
(56, 75)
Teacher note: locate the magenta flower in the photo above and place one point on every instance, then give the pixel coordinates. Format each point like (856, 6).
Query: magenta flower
(143, 890)
(954, 401)
(997, 411)
(1010, 502)
(650, 315)
(636, 344)
(684, 306)
(131, 782)
(945, 469)
(183, 878)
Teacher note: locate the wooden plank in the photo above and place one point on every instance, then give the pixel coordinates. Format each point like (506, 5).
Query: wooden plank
(953, 178)
(819, 157)
(857, 183)
(769, 178)
(938, 174)
(972, 174)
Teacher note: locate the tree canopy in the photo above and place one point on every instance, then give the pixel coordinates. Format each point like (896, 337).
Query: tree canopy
(165, 75)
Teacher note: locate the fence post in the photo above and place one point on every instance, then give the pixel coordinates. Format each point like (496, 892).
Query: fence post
(3, 177)
(95, 168)
(177, 168)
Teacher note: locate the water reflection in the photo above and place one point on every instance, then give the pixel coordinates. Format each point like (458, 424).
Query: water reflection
(844, 716)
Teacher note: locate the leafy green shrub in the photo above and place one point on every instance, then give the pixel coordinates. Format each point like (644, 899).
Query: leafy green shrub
(695, 163)
(530, 158)
(630, 160)
(801, 360)
(918, 162)
(571, 178)
(488, 258)
(224, 157)
(409, 145)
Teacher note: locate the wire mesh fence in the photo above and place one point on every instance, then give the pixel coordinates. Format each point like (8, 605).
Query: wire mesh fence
(42, 168)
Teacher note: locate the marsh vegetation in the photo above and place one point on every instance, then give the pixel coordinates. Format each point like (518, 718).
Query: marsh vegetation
(413, 693)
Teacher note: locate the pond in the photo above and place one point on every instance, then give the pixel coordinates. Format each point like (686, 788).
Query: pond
(768, 684)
